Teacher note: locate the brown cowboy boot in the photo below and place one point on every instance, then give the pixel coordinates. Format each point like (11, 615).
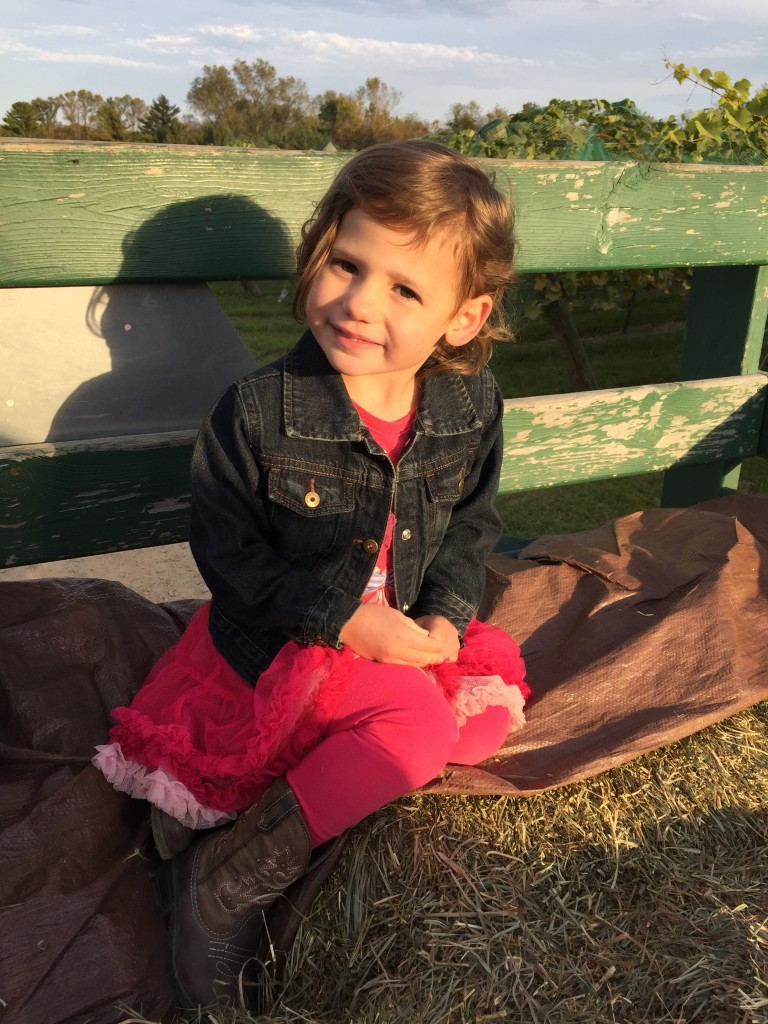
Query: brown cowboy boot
(219, 890)
(169, 835)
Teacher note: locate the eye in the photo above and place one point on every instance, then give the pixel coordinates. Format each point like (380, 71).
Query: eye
(345, 266)
(406, 292)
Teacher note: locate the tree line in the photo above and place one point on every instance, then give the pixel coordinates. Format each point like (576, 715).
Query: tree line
(248, 104)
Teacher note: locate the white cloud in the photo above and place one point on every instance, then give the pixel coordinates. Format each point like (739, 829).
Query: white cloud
(61, 30)
(22, 52)
(327, 46)
(743, 48)
(164, 44)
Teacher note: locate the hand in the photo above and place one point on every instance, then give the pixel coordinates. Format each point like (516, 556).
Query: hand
(444, 631)
(384, 634)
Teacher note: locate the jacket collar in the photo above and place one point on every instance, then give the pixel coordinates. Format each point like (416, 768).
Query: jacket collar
(318, 407)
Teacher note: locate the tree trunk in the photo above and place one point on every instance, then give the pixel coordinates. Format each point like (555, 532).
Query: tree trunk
(579, 371)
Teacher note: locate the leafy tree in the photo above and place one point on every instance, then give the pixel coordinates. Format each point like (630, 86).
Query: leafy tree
(30, 120)
(22, 119)
(48, 110)
(341, 117)
(466, 117)
(378, 103)
(128, 110)
(251, 102)
(161, 122)
(214, 95)
(734, 130)
(80, 110)
(110, 121)
(134, 109)
(497, 113)
(368, 115)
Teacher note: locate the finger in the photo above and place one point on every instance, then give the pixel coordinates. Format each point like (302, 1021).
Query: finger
(413, 625)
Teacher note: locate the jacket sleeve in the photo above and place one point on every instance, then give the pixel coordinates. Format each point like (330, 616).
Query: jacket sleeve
(454, 580)
(252, 584)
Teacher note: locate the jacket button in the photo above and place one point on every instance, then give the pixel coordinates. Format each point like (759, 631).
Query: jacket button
(406, 534)
(311, 499)
(370, 546)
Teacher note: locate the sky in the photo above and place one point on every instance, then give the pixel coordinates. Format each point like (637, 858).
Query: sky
(433, 52)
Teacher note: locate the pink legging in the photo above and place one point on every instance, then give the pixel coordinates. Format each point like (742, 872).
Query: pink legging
(393, 731)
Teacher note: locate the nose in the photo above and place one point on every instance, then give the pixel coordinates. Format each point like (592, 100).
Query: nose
(360, 300)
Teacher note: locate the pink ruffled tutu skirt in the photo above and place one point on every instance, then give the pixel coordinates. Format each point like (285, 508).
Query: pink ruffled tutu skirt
(202, 744)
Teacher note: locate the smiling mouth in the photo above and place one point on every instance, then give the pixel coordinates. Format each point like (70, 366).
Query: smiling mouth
(349, 338)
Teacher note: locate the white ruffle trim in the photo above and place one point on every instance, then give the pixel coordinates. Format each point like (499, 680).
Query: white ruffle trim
(476, 693)
(158, 787)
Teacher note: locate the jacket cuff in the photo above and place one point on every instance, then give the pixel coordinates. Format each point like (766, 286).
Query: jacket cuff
(447, 604)
(328, 616)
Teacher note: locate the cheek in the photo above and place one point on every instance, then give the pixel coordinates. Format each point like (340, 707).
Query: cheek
(320, 295)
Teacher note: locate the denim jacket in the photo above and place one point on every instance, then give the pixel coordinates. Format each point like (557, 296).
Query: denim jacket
(291, 497)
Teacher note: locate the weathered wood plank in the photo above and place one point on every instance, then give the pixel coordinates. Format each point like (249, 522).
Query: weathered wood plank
(724, 331)
(87, 497)
(65, 499)
(94, 213)
(562, 439)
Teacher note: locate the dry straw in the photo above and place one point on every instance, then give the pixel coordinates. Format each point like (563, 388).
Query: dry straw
(639, 896)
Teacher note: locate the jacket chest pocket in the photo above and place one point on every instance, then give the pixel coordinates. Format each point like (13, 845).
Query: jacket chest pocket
(444, 488)
(309, 511)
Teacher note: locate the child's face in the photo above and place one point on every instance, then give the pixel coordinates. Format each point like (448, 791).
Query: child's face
(381, 303)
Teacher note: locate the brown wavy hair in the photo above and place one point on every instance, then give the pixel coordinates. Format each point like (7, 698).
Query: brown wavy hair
(426, 188)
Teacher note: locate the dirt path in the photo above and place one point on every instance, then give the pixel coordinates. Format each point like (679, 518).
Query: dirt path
(160, 573)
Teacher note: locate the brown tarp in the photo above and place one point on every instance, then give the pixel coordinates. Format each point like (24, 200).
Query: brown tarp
(635, 634)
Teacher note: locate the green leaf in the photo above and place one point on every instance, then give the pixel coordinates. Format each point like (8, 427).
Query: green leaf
(532, 311)
(742, 87)
(739, 118)
(704, 132)
(758, 106)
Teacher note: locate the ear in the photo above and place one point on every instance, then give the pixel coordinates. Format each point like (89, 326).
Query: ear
(467, 322)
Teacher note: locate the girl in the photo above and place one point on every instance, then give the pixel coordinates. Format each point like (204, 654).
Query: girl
(342, 509)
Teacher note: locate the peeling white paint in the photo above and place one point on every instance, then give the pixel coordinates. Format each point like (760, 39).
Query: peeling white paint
(723, 205)
(168, 505)
(617, 216)
(690, 231)
(572, 196)
(157, 171)
(621, 431)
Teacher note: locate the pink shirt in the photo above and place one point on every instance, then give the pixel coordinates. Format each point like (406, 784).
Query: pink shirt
(393, 437)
